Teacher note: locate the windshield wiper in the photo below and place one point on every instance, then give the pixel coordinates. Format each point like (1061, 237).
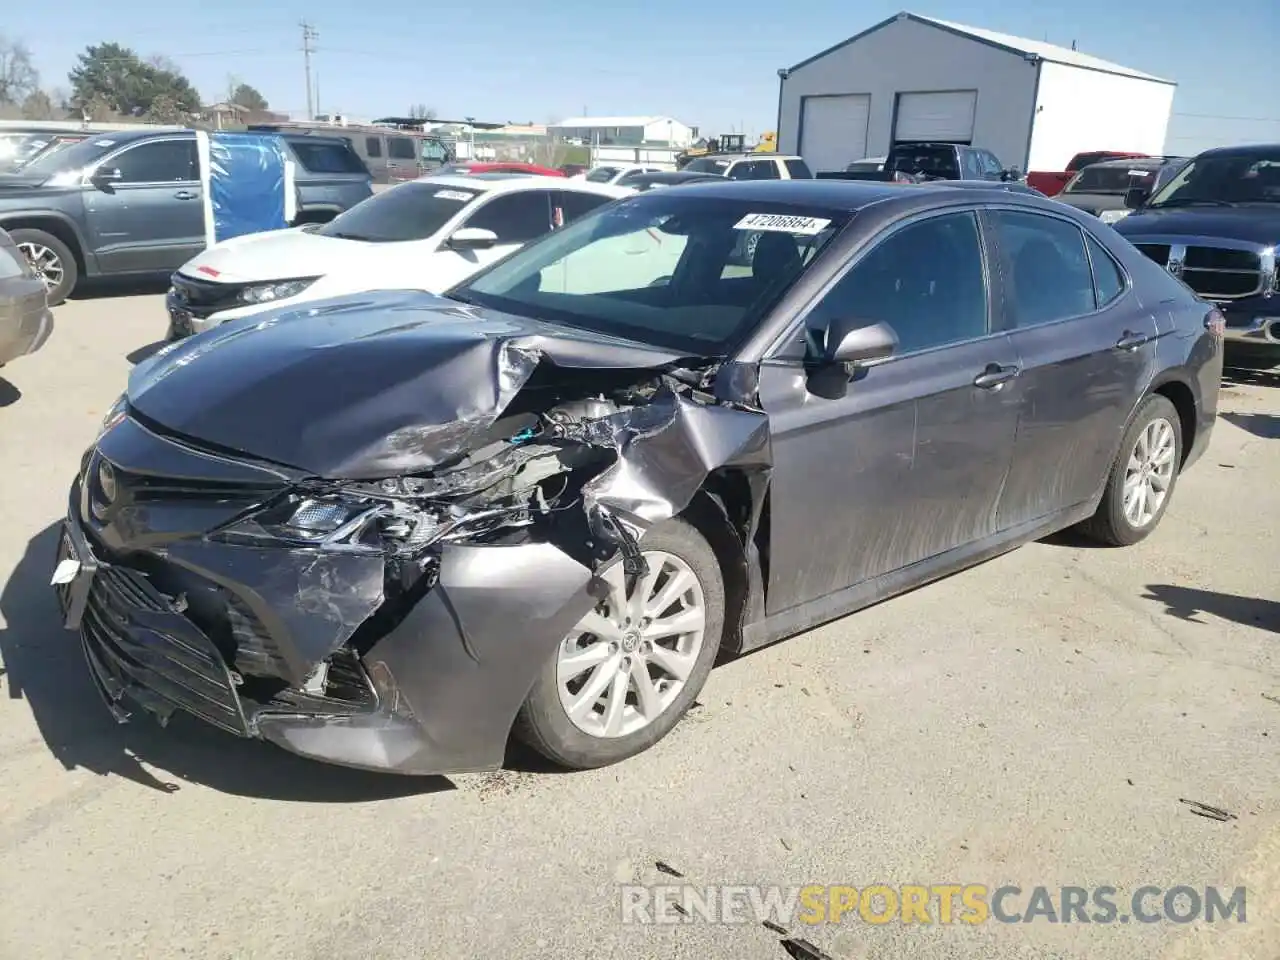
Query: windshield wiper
(1190, 202)
(339, 235)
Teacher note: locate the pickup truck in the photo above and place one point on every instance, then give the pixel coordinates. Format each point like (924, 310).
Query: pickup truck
(929, 161)
(1215, 225)
(1050, 183)
(128, 203)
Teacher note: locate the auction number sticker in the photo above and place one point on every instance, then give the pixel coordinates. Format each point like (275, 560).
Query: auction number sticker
(459, 195)
(782, 223)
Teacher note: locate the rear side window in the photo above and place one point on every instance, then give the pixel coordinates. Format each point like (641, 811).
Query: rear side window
(764, 170)
(798, 169)
(373, 146)
(1046, 268)
(1108, 278)
(327, 157)
(602, 174)
(401, 148)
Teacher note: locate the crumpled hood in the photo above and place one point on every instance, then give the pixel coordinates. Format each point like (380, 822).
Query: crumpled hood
(363, 387)
(279, 255)
(1257, 223)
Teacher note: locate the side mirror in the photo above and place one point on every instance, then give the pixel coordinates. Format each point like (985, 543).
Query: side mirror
(1135, 197)
(858, 342)
(472, 238)
(1011, 174)
(106, 175)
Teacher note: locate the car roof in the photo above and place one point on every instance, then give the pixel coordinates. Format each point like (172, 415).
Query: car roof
(1153, 163)
(515, 182)
(835, 194)
(1259, 150)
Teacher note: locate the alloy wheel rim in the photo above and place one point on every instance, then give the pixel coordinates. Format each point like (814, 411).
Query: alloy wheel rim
(1149, 473)
(45, 264)
(627, 661)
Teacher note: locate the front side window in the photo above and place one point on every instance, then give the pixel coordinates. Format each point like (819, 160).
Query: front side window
(515, 217)
(927, 281)
(714, 165)
(161, 161)
(654, 267)
(408, 211)
(1046, 268)
(990, 164)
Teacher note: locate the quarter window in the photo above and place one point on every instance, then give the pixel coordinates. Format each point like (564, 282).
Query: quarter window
(927, 281)
(1108, 279)
(161, 161)
(516, 217)
(1047, 270)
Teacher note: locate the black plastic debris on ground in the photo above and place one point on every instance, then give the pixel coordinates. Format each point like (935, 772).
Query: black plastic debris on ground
(1208, 812)
(669, 870)
(804, 950)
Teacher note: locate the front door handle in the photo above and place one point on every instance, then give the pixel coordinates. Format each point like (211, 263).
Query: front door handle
(995, 375)
(1132, 341)
(184, 195)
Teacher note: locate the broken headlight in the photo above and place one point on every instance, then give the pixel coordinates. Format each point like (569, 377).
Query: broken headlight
(301, 519)
(277, 290)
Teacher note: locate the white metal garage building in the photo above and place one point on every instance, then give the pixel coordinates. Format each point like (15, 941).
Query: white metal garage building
(914, 78)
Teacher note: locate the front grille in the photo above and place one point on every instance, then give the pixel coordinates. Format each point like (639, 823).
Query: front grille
(137, 646)
(1215, 273)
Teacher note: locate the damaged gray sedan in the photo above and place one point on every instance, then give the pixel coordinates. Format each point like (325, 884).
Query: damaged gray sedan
(390, 530)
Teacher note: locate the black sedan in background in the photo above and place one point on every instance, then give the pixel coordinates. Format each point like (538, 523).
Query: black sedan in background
(392, 529)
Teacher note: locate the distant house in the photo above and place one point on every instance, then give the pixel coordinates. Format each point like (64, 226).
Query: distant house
(625, 131)
(225, 115)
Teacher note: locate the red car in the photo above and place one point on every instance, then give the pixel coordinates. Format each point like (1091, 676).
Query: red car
(499, 166)
(1050, 183)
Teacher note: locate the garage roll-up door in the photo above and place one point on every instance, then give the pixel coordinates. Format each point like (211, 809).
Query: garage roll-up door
(833, 130)
(936, 116)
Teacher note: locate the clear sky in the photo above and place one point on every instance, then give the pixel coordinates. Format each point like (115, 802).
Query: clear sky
(710, 63)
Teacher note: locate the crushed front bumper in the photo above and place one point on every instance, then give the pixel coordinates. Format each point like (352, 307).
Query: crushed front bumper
(442, 688)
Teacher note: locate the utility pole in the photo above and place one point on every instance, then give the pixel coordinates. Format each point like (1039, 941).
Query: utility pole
(309, 36)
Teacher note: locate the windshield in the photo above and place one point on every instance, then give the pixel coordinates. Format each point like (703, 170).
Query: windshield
(707, 165)
(74, 157)
(1109, 180)
(1223, 180)
(687, 273)
(408, 211)
(602, 174)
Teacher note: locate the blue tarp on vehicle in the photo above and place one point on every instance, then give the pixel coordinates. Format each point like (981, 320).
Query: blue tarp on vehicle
(249, 185)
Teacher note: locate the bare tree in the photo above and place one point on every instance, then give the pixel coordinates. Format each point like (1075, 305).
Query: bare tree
(38, 105)
(420, 111)
(18, 75)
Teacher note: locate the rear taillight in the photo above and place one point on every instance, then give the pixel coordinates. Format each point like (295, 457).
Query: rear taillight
(1215, 323)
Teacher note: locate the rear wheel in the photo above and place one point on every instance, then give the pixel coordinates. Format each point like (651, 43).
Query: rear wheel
(51, 260)
(626, 674)
(1142, 478)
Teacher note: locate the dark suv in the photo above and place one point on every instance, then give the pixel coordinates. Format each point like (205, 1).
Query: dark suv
(129, 202)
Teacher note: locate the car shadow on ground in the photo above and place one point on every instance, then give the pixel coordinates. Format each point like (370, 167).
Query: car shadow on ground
(100, 289)
(1236, 377)
(144, 352)
(9, 394)
(44, 665)
(1186, 602)
(1264, 425)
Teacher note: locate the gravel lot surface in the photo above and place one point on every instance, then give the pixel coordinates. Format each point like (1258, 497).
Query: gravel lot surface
(1033, 721)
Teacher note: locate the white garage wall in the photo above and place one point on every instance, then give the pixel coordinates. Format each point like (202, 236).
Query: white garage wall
(833, 130)
(910, 57)
(1078, 110)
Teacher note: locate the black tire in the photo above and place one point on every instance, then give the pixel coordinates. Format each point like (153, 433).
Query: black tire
(543, 723)
(1109, 525)
(65, 258)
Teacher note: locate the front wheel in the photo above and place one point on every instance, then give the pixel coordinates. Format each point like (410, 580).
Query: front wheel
(628, 671)
(1142, 478)
(50, 260)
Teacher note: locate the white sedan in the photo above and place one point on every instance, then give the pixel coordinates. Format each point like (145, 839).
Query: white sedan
(613, 172)
(427, 234)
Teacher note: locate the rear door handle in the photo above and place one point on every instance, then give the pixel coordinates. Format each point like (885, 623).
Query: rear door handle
(184, 195)
(1132, 341)
(995, 375)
